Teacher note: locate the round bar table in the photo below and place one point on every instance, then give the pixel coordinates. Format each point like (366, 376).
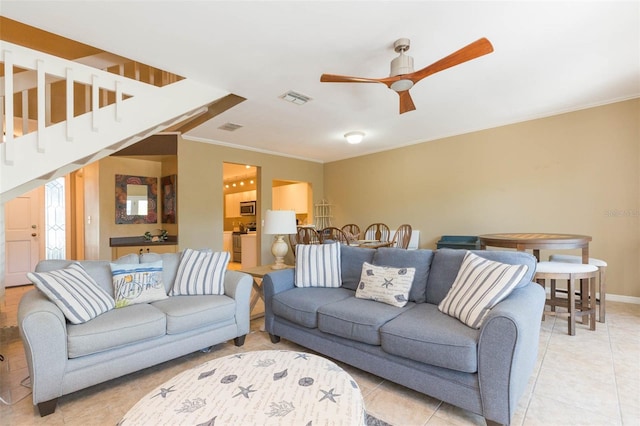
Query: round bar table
(537, 242)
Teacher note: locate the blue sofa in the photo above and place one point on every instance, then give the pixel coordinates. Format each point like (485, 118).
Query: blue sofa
(481, 370)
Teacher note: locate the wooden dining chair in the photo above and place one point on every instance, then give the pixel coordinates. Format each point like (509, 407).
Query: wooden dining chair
(351, 229)
(402, 237)
(335, 234)
(377, 231)
(307, 235)
(304, 235)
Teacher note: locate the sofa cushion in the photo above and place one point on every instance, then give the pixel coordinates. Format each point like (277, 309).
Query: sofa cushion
(170, 262)
(186, 313)
(300, 305)
(446, 264)
(137, 283)
(385, 284)
(200, 272)
(401, 258)
(76, 293)
(426, 335)
(318, 265)
(114, 329)
(351, 260)
(479, 286)
(357, 319)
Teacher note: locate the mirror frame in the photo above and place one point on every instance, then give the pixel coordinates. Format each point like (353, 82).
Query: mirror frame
(122, 218)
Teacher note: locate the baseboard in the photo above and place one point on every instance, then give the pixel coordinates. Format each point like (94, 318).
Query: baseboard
(623, 299)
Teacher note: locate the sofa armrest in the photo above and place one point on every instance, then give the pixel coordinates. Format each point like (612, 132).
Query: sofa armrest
(273, 283)
(237, 285)
(43, 330)
(508, 350)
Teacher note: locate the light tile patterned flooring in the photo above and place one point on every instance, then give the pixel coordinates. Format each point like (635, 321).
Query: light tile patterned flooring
(592, 378)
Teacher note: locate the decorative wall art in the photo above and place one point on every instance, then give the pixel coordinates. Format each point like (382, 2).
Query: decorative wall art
(136, 199)
(169, 200)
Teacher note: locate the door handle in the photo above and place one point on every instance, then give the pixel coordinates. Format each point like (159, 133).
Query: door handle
(34, 235)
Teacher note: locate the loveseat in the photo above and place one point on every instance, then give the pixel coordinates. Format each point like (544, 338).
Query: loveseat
(64, 357)
(484, 370)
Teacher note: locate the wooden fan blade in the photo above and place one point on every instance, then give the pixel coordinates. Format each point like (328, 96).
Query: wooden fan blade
(333, 78)
(406, 103)
(471, 51)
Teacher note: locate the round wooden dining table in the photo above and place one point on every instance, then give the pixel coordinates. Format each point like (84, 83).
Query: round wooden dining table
(536, 242)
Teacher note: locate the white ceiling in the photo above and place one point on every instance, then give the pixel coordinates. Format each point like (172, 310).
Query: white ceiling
(549, 58)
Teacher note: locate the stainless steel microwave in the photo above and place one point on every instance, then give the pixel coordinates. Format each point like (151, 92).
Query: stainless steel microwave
(247, 208)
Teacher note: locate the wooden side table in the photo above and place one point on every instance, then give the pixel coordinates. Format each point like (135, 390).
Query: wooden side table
(258, 272)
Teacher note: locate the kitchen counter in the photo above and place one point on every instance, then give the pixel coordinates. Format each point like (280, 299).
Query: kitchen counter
(249, 250)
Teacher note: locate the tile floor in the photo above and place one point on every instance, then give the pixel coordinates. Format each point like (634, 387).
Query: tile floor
(592, 378)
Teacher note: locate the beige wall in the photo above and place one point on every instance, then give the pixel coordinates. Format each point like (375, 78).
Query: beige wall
(200, 190)
(571, 173)
(109, 168)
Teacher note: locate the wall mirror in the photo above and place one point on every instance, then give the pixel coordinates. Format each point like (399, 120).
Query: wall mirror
(136, 199)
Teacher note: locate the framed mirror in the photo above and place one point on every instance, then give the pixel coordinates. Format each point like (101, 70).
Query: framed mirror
(136, 199)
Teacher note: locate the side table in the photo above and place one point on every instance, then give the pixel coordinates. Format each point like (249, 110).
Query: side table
(258, 272)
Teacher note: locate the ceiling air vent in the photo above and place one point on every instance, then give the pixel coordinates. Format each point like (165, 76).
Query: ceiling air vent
(295, 97)
(229, 127)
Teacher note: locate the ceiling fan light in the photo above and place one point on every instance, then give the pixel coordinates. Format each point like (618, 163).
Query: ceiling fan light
(402, 85)
(354, 137)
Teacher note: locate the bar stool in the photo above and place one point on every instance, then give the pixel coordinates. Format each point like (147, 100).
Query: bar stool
(571, 272)
(602, 281)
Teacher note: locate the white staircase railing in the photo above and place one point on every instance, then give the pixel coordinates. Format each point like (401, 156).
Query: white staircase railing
(120, 112)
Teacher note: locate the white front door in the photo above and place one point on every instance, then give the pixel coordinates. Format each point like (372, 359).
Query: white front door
(23, 236)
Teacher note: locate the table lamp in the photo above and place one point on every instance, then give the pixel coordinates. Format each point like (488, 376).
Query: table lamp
(279, 223)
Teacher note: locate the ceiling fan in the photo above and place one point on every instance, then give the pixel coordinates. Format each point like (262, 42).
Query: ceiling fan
(403, 77)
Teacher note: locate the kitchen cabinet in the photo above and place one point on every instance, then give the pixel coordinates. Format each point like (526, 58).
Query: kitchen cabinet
(232, 202)
(291, 197)
(249, 257)
(227, 241)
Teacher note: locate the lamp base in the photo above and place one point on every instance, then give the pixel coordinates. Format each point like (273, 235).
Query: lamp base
(279, 250)
(278, 266)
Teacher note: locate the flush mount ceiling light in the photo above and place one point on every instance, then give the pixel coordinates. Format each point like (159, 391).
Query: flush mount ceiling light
(354, 137)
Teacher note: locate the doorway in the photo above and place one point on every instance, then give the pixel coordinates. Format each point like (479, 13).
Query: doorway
(24, 236)
(241, 214)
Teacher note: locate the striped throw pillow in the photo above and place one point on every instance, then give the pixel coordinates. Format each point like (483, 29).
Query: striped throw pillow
(478, 287)
(77, 295)
(318, 265)
(200, 272)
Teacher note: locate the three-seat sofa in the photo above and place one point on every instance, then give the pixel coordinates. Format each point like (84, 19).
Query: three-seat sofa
(482, 370)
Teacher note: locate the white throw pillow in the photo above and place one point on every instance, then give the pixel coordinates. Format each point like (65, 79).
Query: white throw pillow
(200, 272)
(77, 295)
(385, 284)
(318, 265)
(478, 287)
(137, 283)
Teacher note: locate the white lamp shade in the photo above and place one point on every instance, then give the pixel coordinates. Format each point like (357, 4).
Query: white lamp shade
(280, 222)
